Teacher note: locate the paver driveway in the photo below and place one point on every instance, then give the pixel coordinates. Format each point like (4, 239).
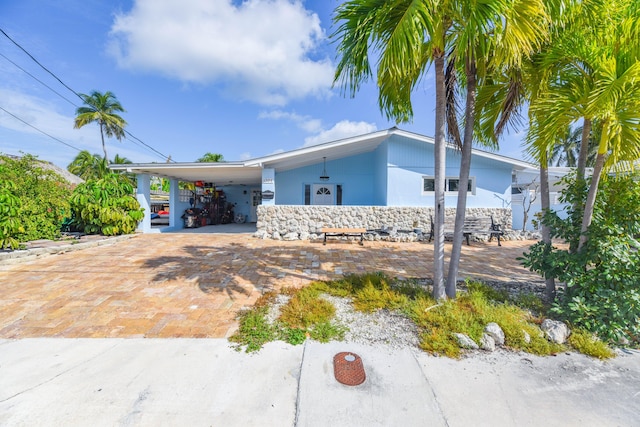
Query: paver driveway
(192, 285)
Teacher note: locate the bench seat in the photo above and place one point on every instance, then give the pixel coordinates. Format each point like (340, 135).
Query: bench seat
(474, 225)
(343, 232)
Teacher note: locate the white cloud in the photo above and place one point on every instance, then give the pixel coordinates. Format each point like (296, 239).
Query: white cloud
(341, 130)
(259, 49)
(245, 156)
(306, 123)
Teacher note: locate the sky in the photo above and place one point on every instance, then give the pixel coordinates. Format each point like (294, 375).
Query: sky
(242, 79)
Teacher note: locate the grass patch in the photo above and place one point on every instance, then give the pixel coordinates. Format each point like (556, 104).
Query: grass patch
(586, 343)
(308, 315)
(306, 308)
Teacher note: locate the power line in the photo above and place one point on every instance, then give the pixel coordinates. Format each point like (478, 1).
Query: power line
(38, 80)
(148, 146)
(73, 91)
(41, 131)
(42, 66)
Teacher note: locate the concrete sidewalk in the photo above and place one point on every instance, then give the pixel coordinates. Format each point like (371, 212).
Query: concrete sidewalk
(203, 382)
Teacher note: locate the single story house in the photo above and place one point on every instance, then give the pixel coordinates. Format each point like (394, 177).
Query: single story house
(385, 178)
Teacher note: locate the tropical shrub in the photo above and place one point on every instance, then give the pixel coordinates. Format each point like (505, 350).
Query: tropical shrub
(9, 224)
(43, 197)
(106, 206)
(602, 292)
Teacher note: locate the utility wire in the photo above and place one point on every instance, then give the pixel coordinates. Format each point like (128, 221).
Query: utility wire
(41, 131)
(42, 66)
(39, 81)
(168, 158)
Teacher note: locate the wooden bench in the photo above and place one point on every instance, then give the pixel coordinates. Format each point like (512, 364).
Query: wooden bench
(473, 225)
(344, 232)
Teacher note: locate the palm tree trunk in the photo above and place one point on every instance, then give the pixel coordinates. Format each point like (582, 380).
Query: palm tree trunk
(104, 147)
(580, 172)
(440, 149)
(545, 204)
(465, 166)
(590, 203)
(584, 148)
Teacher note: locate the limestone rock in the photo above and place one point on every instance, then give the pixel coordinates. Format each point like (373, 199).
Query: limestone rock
(496, 332)
(487, 342)
(527, 337)
(465, 342)
(555, 331)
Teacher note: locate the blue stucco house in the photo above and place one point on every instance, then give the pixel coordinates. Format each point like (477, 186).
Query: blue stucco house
(362, 181)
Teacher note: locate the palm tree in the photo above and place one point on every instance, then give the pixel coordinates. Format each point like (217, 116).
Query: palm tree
(501, 31)
(597, 77)
(88, 166)
(103, 109)
(567, 151)
(92, 166)
(211, 158)
(409, 36)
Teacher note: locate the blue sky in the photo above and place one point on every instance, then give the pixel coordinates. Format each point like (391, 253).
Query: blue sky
(244, 79)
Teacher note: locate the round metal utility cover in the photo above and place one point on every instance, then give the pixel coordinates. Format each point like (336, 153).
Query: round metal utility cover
(348, 369)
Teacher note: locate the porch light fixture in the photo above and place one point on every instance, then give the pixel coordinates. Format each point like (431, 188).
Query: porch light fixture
(324, 176)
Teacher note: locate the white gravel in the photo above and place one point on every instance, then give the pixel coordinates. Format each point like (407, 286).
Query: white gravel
(379, 327)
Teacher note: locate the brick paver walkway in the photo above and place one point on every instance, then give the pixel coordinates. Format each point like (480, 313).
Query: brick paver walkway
(192, 285)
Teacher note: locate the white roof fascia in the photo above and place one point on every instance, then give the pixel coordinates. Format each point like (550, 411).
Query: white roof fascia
(328, 146)
(316, 148)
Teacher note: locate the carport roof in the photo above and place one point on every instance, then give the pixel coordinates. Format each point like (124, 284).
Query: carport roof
(223, 173)
(249, 172)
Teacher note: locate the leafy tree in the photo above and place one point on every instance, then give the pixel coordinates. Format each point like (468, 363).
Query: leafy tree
(106, 205)
(211, 158)
(43, 197)
(602, 293)
(102, 108)
(9, 223)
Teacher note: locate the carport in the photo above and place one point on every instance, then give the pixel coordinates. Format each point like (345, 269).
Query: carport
(240, 183)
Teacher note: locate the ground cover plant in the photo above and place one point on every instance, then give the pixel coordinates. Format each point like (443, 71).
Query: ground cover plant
(304, 313)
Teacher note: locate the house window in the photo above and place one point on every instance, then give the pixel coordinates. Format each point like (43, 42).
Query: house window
(451, 185)
(307, 194)
(338, 194)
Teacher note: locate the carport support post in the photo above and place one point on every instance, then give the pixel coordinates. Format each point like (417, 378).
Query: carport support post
(268, 185)
(143, 194)
(174, 198)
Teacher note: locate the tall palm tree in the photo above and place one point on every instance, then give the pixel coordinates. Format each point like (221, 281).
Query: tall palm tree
(103, 109)
(409, 36)
(502, 31)
(211, 158)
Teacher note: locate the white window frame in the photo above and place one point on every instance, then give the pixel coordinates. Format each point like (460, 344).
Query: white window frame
(447, 185)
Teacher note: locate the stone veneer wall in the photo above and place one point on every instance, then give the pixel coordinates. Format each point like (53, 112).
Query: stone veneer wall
(293, 222)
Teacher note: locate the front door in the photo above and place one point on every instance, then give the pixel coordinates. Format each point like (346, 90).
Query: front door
(323, 194)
